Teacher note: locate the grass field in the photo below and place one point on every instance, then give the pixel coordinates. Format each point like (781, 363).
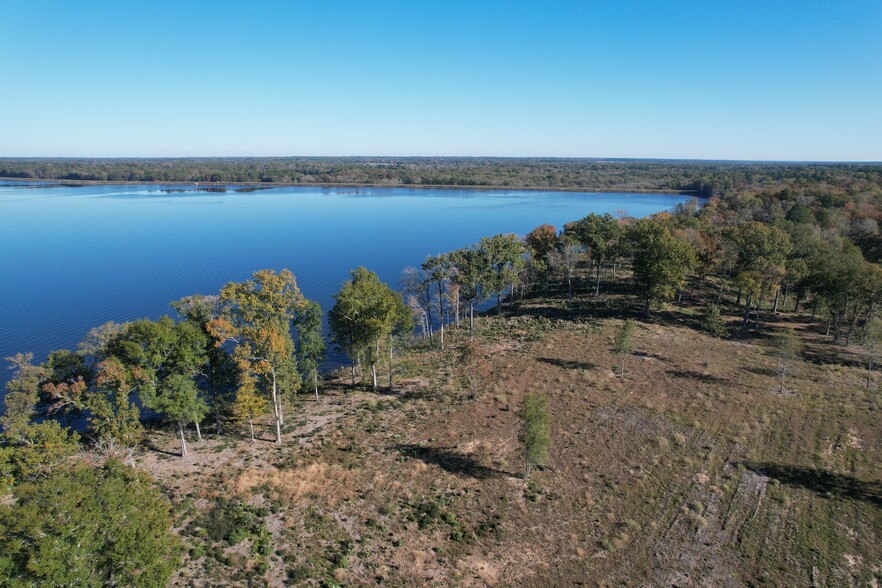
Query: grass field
(675, 473)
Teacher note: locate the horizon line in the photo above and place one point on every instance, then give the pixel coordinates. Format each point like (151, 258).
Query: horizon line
(498, 157)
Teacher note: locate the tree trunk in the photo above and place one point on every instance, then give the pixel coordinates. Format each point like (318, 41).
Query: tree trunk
(315, 383)
(251, 427)
(597, 281)
(471, 319)
(440, 318)
(512, 299)
(499, 303)
(527, 468)
(183, 441)
(390, 366)
(775, 305)
(276, 410)
(217, 421)
(738, 302)
(646, 308)
(786, 293)
(198, 430)
(747, 303)
(352, 369)
(377, 354)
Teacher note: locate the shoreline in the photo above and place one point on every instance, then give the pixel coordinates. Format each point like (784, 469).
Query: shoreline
(266, 185)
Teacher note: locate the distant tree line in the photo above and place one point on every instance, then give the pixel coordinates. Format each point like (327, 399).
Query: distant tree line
(703, 178)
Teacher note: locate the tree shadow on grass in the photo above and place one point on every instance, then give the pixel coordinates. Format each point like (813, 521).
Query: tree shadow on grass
(568, 364)
(825, 483)
(451, 461)
(699, 376)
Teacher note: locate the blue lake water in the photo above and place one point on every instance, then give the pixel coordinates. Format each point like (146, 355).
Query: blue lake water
(72, 258)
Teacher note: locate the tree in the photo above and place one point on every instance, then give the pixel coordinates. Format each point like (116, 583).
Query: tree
(418, 289)
(564, 259)
(541, 243)
(535, 433)
(40, 449)
(474, 365)
(713, 324)
(248, 403)
(217, 379)
(114, 420)
(623, 343)
(504, 255)
(310, 349)
(438, 269)
(165, 358)
(661, 262)
(600, 235)
(257, 320)
(786, 348)
(366, 312)
(22, 395)
(472, 268)
(870, 342)
(88, 527)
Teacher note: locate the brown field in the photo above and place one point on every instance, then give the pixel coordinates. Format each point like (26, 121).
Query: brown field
(673, 474)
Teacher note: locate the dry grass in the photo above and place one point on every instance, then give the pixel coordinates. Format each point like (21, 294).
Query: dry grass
(673, 474)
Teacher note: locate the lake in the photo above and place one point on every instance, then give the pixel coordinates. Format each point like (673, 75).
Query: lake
(72, 258)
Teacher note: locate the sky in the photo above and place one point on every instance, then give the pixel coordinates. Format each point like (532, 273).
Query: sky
(747, 80)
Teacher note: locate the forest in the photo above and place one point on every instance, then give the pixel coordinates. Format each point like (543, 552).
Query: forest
(781, 256)
(703, 178)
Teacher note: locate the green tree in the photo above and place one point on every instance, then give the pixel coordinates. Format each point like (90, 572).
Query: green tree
(623, 344)
(535, 433)
(366, 313)
(218, 377)
(310, 350)
(257, 319)
(438, 270)
(474, 365)
(541, 243)
(661, 262)
(471, 270)
(505, 259)
(787, 348)
(713, 324)
(600, 234)
(114, 420)
(22, 395)
(88, 527)
(43, 446)
(166, 358)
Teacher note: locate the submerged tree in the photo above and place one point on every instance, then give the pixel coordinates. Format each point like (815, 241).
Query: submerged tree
(535, 433)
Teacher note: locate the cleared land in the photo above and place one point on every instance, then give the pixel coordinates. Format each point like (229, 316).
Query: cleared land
(674, 474)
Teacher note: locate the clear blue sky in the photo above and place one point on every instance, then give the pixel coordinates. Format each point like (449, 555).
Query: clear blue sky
(762, 79)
